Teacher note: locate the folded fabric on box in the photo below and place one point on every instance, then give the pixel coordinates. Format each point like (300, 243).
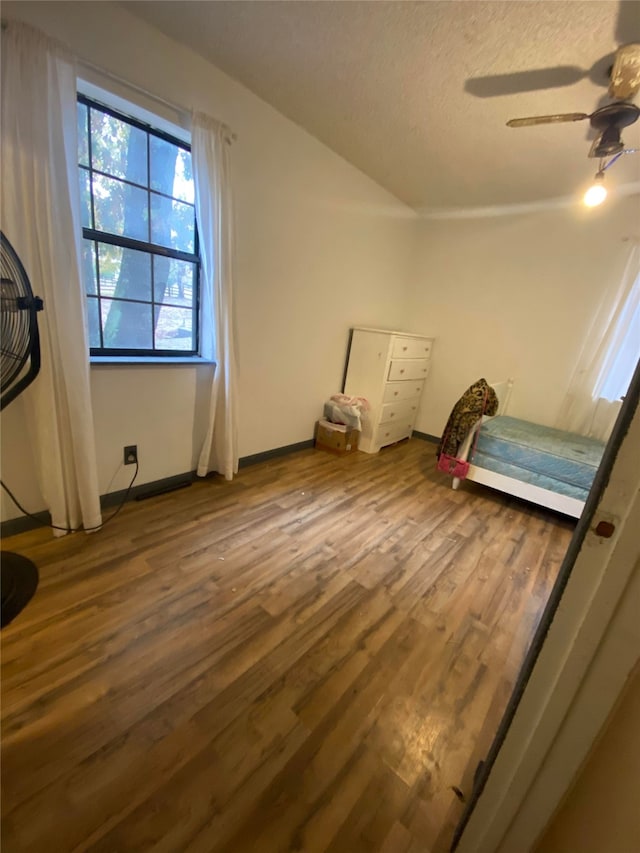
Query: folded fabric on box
(342, 409)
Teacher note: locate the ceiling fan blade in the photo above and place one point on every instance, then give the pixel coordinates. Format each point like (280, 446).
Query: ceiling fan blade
(553, 119)
(625, 74)
(524, 81)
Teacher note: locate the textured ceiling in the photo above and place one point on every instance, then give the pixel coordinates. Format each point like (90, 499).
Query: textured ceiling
(387, 86)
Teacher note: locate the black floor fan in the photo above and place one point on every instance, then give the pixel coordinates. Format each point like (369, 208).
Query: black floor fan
(19, 366)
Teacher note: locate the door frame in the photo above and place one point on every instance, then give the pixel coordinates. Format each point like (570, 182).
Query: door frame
(584, 649)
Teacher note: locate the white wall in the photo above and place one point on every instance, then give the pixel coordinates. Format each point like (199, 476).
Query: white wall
(320, 248)
(515, 296)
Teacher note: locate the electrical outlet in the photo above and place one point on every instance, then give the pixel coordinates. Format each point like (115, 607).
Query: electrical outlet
(131, 454)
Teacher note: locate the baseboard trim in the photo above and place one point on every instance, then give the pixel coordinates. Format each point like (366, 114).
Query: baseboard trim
(425, 436)
(23, 523)
(277, 451)
(107, 501)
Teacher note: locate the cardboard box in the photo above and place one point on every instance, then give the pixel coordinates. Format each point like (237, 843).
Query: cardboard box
(336, 438)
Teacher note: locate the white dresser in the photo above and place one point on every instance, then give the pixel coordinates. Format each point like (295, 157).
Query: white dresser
(389, 369)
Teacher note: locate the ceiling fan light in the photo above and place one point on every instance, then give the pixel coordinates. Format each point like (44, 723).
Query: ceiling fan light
(596, 193)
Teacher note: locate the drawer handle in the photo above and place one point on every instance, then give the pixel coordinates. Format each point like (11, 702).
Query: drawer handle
(392, 415)
(404, 349)
(395, 393)
(386, 435)
(402, 371)
(424, 369)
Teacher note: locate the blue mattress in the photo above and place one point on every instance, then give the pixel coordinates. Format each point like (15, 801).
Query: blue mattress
(562, 462)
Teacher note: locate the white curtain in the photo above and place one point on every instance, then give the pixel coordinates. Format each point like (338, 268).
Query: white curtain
(210, 142)
(41, 219)
(586, 408)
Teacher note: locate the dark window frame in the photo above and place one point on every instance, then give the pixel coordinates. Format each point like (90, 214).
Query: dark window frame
(152, 249)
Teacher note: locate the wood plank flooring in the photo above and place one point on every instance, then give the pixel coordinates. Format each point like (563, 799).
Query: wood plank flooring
(305, 659)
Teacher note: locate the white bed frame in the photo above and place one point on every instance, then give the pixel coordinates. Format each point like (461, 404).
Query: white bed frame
(517, 488)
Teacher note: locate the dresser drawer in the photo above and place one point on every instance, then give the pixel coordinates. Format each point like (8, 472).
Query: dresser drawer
(405, 411)
(410, 368)
(388, 433)
(394, 391)
(410, 348)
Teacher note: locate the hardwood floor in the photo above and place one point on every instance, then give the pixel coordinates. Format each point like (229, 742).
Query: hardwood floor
(305, 659)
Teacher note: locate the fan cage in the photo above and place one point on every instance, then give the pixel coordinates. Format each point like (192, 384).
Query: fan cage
(19, 340)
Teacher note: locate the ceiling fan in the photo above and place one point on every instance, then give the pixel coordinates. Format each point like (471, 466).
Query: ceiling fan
(626, 32)
(610, 120)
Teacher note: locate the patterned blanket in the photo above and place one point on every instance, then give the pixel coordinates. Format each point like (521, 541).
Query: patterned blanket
(478, 399)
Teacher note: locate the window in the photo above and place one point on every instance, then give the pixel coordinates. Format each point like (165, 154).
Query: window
(140, 261)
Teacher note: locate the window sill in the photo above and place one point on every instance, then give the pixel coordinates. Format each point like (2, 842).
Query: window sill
(124, 360)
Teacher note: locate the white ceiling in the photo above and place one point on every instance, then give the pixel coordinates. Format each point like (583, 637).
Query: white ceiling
(383, 85)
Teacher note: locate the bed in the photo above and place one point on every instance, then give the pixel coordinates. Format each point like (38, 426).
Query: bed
(546, 466)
